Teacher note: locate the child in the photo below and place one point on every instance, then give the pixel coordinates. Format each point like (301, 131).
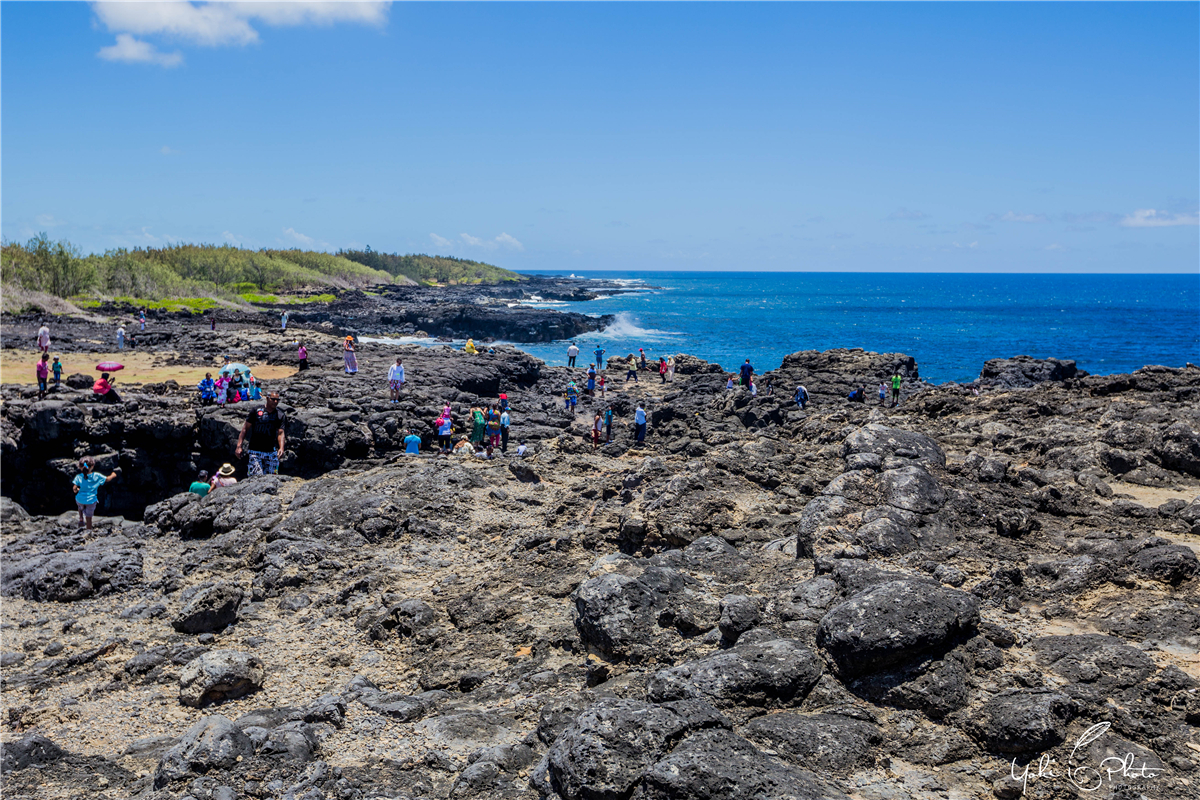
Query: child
(222, 385)
(601, 385)
(57, 369)
(521, 448)
(729, 384)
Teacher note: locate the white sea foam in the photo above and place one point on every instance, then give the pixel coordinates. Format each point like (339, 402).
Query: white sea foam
(624, 327)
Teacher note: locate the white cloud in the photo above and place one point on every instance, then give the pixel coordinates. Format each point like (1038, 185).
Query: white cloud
(906, 214)
(167, 151)
(216, 24)
(299, 237)
(440, 241)
(1056, 247)
(1012, 216)
(48, 221)
(474, 241)
(129, 50)
(229, 237)
(504, 240)
(1150, 218)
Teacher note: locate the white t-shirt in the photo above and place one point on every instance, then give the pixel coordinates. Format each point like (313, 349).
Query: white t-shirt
(521, 450)
(396, 373)
(572, 351)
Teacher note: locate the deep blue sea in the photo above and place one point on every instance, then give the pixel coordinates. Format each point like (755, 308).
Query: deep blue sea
(950, 323)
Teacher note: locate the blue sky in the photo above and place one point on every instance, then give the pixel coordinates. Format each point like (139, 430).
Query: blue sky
(858, 136)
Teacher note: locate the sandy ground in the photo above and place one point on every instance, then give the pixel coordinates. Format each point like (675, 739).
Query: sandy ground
(17, 366)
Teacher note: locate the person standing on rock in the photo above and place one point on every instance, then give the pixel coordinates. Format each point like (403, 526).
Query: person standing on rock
(201, 485)
(572, 352)
(896, 381)
(43, 375)
(801, 397)
(43, 339)
(412, 444)
(882, 392)
(643, 364)
(350, 358)
(602, 384)
(283, 318)
(631, 371)
(86, 487)
(212, 321)
(591, 380)
(396, 379)
(445, 427)
(302, 355)
(120, 337)
(478, 425)
(599, 353)
(639, 421)
(505, 424)
(266, 429)
(597, 427)
(56, 368)
(493, 427)
(608, 418)
(142, 319)
(747, 373)
(662, 369)
(671, 369)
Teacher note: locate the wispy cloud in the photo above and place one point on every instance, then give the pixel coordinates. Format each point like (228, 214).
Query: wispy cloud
(231, 238)
(503, 241)
(167, 151)
(1055, 248)
(130, 50)
(1013, 216)
(48, 221)
(215, 24)
(1151, 218)
(298, 237)
(907, 214)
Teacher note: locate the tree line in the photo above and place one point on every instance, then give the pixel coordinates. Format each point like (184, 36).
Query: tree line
(189, 270)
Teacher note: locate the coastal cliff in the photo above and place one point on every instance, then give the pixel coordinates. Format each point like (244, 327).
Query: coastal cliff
(845, 600)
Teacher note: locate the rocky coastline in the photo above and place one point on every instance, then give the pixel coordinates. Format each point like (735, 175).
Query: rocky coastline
(849, 600)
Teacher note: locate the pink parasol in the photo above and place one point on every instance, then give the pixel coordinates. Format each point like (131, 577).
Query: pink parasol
(109, 366)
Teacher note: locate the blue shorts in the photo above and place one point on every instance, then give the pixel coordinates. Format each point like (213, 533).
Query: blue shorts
(263, 463)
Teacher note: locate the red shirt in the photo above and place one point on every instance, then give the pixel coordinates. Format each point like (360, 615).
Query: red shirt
(101, 386)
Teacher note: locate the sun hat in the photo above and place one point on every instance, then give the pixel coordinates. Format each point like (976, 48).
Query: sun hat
(226, 471)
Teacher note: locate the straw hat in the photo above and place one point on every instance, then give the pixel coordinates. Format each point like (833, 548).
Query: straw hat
(226, 471)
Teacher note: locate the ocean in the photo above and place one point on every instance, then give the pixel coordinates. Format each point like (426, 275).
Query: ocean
(950, 323)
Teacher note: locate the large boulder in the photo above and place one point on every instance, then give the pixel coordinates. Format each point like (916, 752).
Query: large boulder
(770, 673)
(219, 675)
(1022, 720)
(1180, 449)
(629, 617)
(211, 609)
(213, 743)
(64, 577)
(888, 443)
(1023, 372)
(719, 764)
(606, 750)
(826, 741)
(895, 622)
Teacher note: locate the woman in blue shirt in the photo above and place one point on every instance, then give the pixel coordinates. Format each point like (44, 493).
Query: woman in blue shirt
(86, 487)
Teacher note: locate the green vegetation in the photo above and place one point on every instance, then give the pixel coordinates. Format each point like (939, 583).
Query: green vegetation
(41, 273)
(200, 272)
(431, 269)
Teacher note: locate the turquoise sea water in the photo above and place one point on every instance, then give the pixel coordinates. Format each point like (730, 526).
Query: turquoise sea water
(950, 323)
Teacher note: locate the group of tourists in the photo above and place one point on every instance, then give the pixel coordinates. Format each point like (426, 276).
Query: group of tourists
(859, 395)
(228, 387)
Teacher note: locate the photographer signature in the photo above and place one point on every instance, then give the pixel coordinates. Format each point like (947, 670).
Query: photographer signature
(1085, 778)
